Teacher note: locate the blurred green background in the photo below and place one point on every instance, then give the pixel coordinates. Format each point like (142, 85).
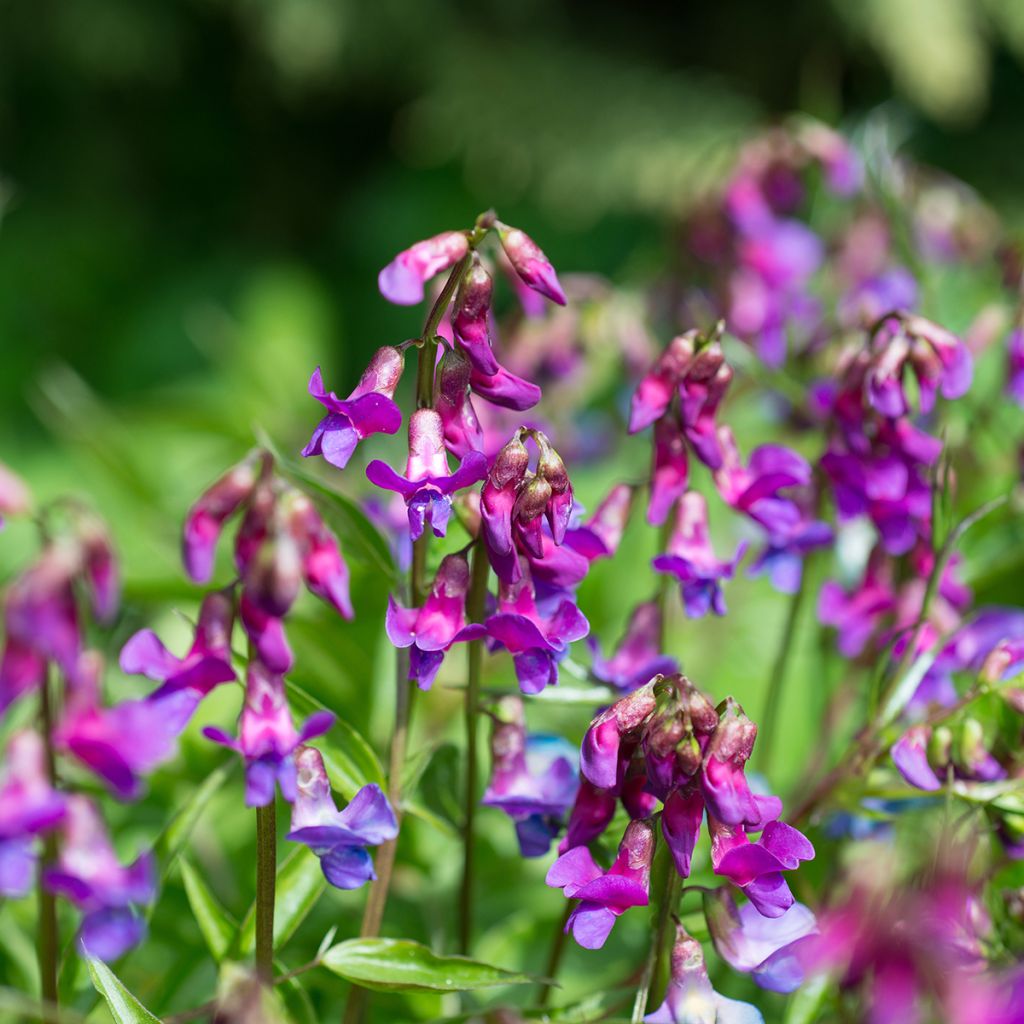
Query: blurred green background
(195, 199)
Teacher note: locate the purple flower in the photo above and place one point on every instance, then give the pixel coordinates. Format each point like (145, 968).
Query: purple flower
(654, 393)
(782, 557)
(402, 280)
(208, 661)
(267, 737)
(691, 559)
(530, 263)
(462, 431)
(766, 947)
(89, 875)
(504, 388)
(15, 497)
(690, 999)
(99, 568)
(599, 753)
(670, 471)
(428, 486)
(338, 838)
(533, 778)
(431, 629)
(323, 568)
(681, 818)
(29, 805)
(857, 614)
(1015, 365)
(471, 319)
(729, 797)
(206, 518)
(757, 868)
(122, 742)
(638, 657)
(872, 298)
(924, 755)
(604, 895)
(537, 643)
(591, 814)
(370, 409)
(601, 534)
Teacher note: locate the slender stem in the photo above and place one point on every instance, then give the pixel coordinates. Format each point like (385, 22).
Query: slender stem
(428, 340)
(555, 956)
(266, 881)
(670, 899)
(777, 682)
(48, 938)
(475, 605)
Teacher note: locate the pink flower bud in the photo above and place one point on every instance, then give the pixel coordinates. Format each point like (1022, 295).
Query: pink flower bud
(530, 263)
(470, 320)
(402, 280)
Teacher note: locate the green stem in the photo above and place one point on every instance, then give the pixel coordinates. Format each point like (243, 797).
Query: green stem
(48, 938)
(670, 900)
(556, 954)
(266, 881)
(475, 606)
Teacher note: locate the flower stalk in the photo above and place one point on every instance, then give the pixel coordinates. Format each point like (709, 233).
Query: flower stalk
(48, 937)
(266, 880)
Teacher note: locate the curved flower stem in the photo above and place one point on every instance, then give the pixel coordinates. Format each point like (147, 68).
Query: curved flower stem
(669, 902)
(266, 884)
(48, 938)
(475, 604)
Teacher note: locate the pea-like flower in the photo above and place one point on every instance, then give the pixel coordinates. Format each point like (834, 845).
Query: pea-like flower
(604, 895)
(267, 737)
(431, 629)
(428, 485)
(89, 874)
(692, 560)
(462, 431)
(924, 755)
(638, 658)
(29, 806)
(338, 838)
(532, 266)
(402, 280)
(369, 409)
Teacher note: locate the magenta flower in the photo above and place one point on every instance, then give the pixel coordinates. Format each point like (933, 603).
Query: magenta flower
(89, 874)
(690, 999)
(122, 742)
(323, 568)
(536, 642)
(592, 812)
(857, 614)
(208, 661)
(924, 755)
(600, 535)
(428, 486)
(1015, 365)
(533, 778)
(471, 319)
(504, 388)
(99, 568)
(29, 805)
(402, 280)
(691, 559)
(658, 386)
(767, 948)
(604, 895)
(370, 409)
(670, 470)
(600, 752)
(338, 838)
(530, 263)
(267, 737)
(723, 782)
(431, 629)
(757, 868)
(462, 431)
(207, 516)
(638, 658)
(15, 497)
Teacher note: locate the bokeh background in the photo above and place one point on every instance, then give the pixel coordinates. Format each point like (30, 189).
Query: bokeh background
(195, 199)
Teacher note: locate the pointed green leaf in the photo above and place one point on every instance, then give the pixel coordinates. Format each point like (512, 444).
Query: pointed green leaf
(173, 838)
(397, 964)
(214, 921)
(300, 883)
(124, 1007)
(350, 761)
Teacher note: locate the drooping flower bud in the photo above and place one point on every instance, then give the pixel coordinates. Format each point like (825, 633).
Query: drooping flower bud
(722, 779)
(497, 500)
(100, 568)
(323, 569)
(601, 534)
(530, 263)
(551, 469)
(656, 389)
(462, 430)
(402, 280)
(532, 503)
(504, 388)
(207, 516)
(470, 319)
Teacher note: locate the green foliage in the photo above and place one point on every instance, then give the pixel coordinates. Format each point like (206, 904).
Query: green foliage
(123, 1006)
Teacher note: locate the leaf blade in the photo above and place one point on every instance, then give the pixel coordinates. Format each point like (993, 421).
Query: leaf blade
(123, 1006)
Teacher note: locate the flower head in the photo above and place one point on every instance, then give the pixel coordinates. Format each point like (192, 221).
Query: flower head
(369, 409)
(402, 280)
(338, 838)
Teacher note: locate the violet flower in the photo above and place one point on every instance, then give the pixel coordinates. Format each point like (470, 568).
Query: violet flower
(533, 778)
(471, 319)
(604, 895)
(369, 409)
(924, 755)
(29, 805)
(691, 559)
(657, 387)
(208, 661)
(428, 486)
(723, 782)
(537, 643)
(89, 875)
(267, 737)
(402, 280)
(122, 742)
(462, 431)
(638, 657)
(670, 469)
(338, 838)
(767, 948)
(857, 614)
(600, 535)
(432, 628)
(782, 557)
(532, 266)
(504, 388)
(591, 813)
(690, 999)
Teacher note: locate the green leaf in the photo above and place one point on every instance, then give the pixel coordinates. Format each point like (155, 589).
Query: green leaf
(300, 883)
(350, 761)
(124, 1007)
(173, 838)
(399, 965)
(807, 1001)
(214, 922)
